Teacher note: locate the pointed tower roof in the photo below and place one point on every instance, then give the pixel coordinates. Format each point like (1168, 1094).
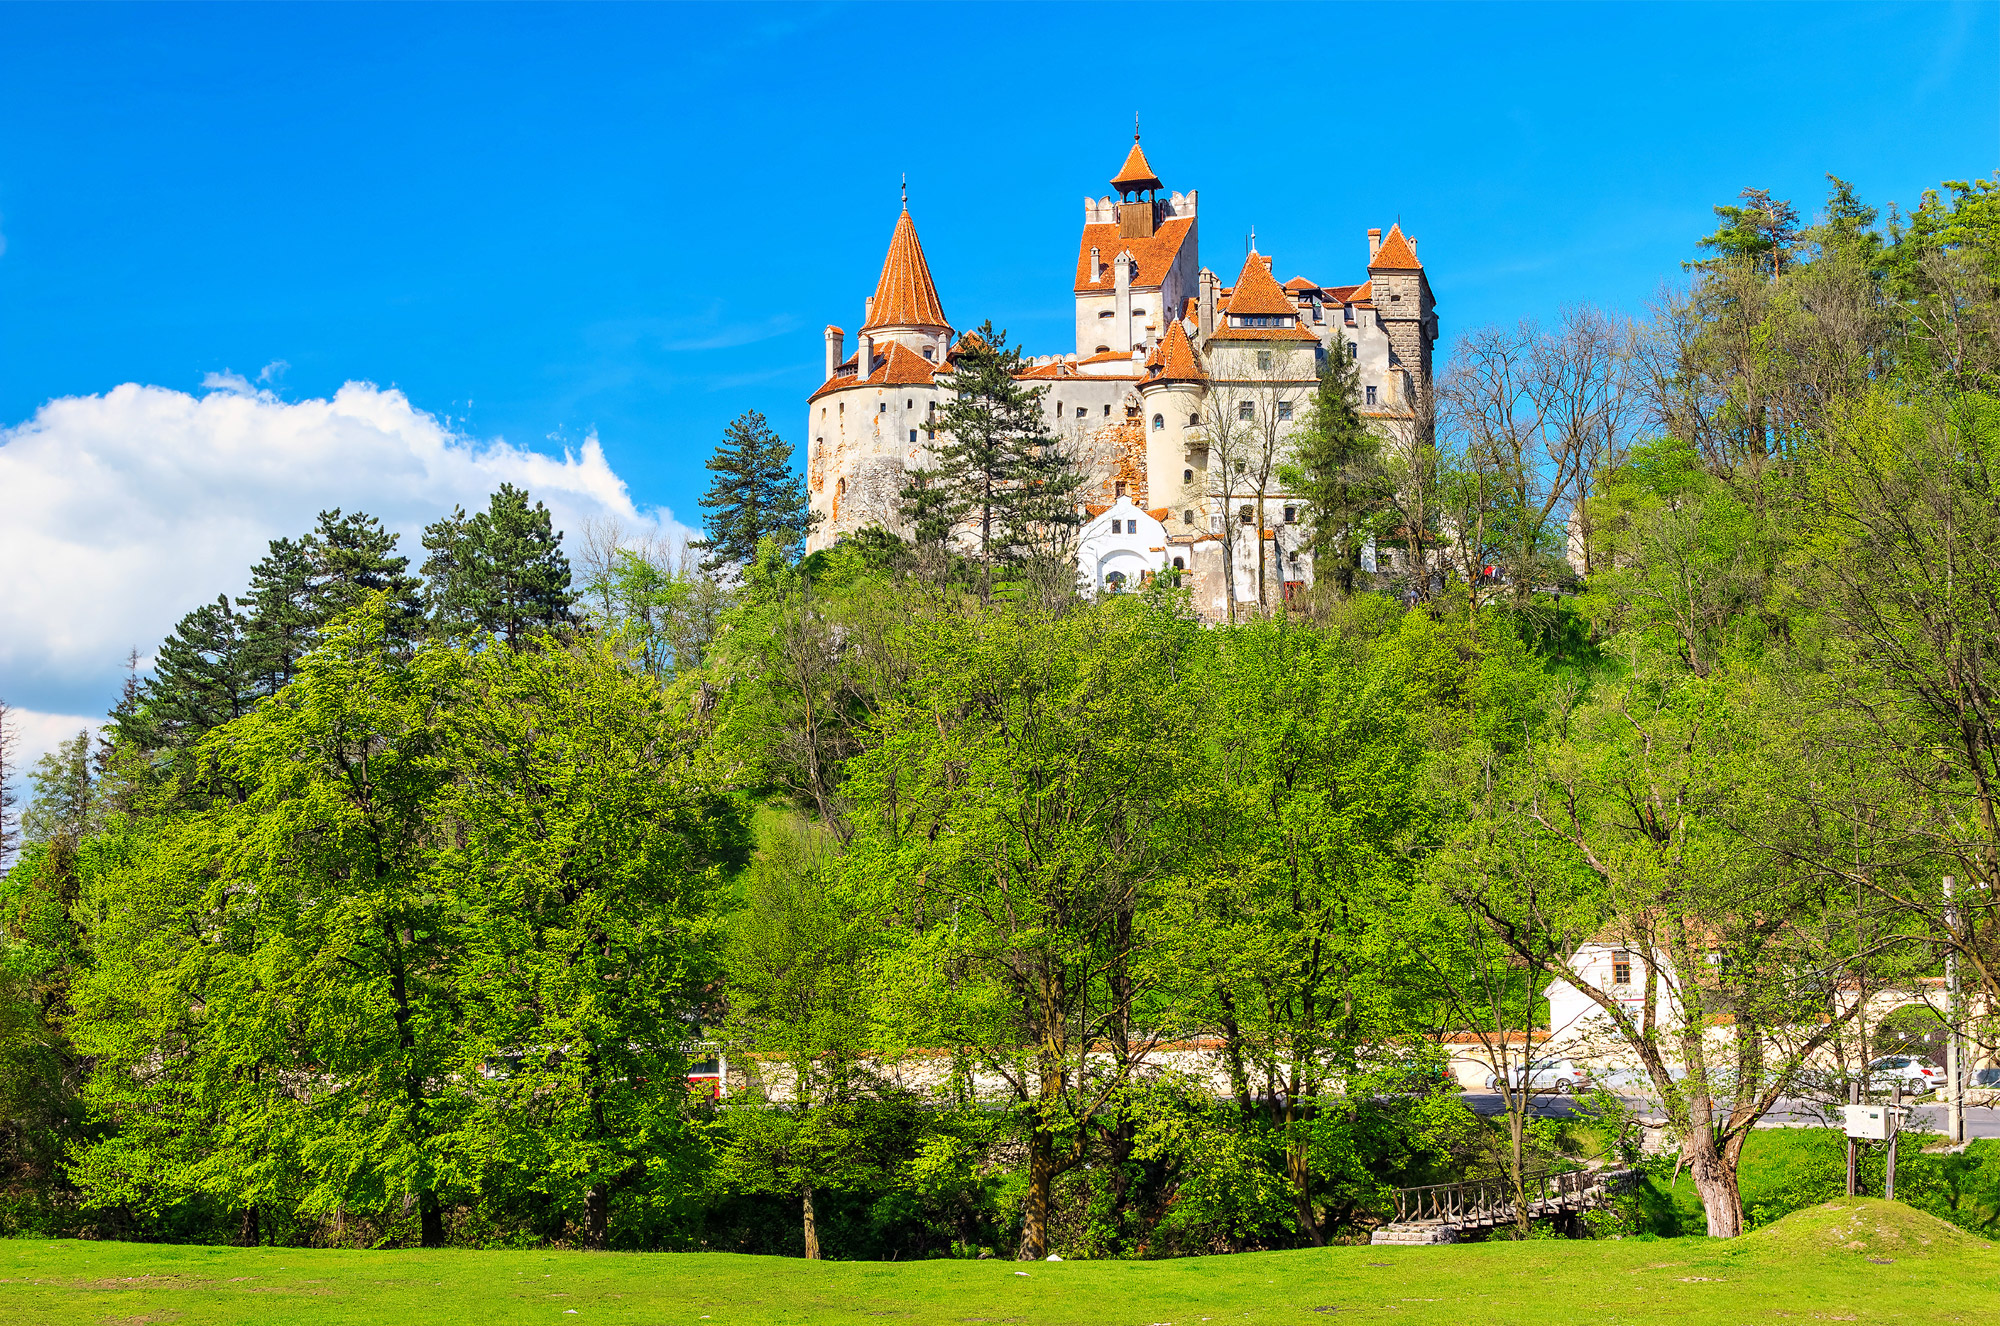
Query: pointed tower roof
(906, 296)
(1395, 255)
(1135, 173)
(1175, 357)
(1257, 291)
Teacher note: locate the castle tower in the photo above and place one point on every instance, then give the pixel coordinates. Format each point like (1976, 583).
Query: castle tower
(875, 416)
(1401, 294)
(1135, 264)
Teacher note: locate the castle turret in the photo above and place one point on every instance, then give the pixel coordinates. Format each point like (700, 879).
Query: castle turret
(1401, 294)
(906, 307)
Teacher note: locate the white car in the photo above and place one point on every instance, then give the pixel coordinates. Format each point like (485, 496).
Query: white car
(1557, 1075)
(1917, 1075)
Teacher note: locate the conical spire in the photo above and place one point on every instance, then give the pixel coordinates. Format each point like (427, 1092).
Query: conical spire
(1257, 291)
(1395, 255)
(906, 296)
(1136, 174)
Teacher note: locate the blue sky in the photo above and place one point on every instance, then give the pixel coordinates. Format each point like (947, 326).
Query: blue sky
(633, 221)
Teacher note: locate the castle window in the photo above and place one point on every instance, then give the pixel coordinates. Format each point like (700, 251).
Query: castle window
(927, 352)
(909, 405)
(1107, 410)
(1159, 422)
(1187, 517)
(1284, 409)
(1194, 421)
(1371, 395)
(1246, 514)
(913, 436)
(1187, 476)
(1118, 489)
(1621, 969)
(883, 408)
(1179, 565)
(1107, 313)
(1241, 466)
(1215, 524)
(1291, 515)
(1103, 349)
(1079, 411)
(1395, 299)
(1244, 411)
(1263, 359)
(1353, 350)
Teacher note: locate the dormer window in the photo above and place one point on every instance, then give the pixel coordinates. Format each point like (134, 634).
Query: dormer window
(927, 352)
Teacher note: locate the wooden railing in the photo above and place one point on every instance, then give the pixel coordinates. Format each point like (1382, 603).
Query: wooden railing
(1491, 1201)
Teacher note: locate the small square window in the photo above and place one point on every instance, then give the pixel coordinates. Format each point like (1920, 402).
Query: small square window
(1247, 514)
(1079, 411)
(1263, 359)
(1291, 515)
(1243, 411)
(1284, 409)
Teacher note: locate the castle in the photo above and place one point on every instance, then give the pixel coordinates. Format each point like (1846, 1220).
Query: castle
(1178, 398)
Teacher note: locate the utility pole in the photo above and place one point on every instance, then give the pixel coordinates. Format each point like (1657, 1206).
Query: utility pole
(1853, 1147)
(1953, 1071)
(1895, 1126)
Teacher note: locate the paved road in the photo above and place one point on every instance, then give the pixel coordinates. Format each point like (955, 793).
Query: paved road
(1979, 1121)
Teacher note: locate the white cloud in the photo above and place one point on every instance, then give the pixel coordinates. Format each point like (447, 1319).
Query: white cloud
(121, 512)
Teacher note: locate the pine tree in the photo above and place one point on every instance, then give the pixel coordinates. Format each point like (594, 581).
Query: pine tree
(1333, 468)
(1762, 234)
(999, 471)
(201, 677)
(352, 557)
(282, 623)
(754, 496)
(499, 572)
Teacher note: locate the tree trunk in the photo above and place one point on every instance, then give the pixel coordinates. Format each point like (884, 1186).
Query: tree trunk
(433, 1217)
(1299, 1171)
(811, 1229)
(597, 1216)
(1714, 1172)
(250, 1235)
(1041, 1178)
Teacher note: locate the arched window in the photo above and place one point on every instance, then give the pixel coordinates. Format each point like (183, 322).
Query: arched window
(1187, 476)
(1159, 422)
(1103, 349)
(1179, 565)
(1194, 421)
(1115, 582)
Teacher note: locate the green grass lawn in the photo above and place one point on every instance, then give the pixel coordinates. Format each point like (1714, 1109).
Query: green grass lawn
(1860, 1260)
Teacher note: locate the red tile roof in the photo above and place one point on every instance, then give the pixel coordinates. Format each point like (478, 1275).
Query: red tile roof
(1223, 332)
(895, 365)
(1152, 258)
(1135, 173)
(906, 296)
(1177, 360)
(1299, 284)
(1395, 255)
(1257, 291)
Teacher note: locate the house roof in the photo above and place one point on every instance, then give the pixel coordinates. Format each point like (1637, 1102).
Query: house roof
(1395, 255)
(1257, 291)
(1135, 173)
(894, 365)
(1299, 285)
(906, 296)
(1300, 333)
(1152, 258)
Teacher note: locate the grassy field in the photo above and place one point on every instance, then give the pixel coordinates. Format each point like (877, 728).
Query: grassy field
(1857, 1260)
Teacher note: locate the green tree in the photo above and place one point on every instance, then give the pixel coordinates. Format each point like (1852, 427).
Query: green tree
(583, 840)
(1333, 466)
(499, 572)
(352, 557)
(283, 620)
(754, 495)
(801, 993)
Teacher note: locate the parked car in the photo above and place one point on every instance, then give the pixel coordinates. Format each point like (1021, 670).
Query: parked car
(1918, 1075)
(1982, 1086)
(1557, 1075)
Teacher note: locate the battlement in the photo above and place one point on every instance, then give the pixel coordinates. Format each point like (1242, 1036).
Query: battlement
(1104, 211)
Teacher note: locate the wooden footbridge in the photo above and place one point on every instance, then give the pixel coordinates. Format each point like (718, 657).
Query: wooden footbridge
(1446, 1212)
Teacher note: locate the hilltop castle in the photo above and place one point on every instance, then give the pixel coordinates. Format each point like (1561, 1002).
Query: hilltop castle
(1177, 398)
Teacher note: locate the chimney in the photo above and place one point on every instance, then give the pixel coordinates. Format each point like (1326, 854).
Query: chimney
(868, 305)
(1374, 241)
(864, 363)
(1121, 303)
(1096, 265)
(1413, 246)
(836, 343)
(1209, 283)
